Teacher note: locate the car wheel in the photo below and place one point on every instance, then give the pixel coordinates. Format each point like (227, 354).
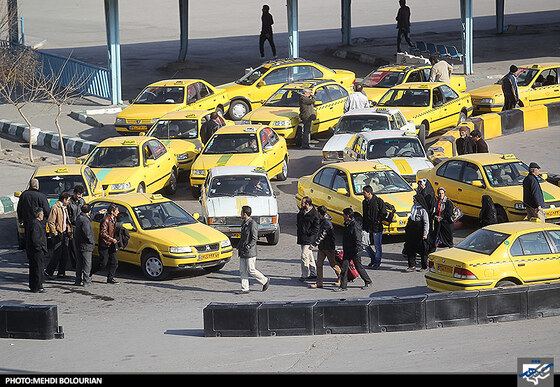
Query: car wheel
(505, 284)
(152, 266)
(171, 187)
(284, 174)
(215, 268)
(141, 188)
(238, 109)
(272, 239)
(422, 134)
(462, 117)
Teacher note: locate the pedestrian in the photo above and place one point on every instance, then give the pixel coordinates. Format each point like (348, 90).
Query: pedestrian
(480, 146)
(210, 127)
(36, 248)
(307, 230)
(441, 70)
(30, 199)
(84, 242)
(60, 229)
(443, 224)
(306, 115)
(351, 249)
(403, 25)
(107, 243)
(426, 190)
(532, 194)
(74, 209)
(266, 31)
(417, 230)
(356, 100)
(326, 244)
(372, 210)
(509, 88)
(247, 252)
(488, 214)
(464, 144)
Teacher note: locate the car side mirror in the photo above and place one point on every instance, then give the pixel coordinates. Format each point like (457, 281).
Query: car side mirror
(267, 148)
(372, 103)
(150, 162)
(196, 216)
(276, 193)
(17, 194)
(477, 183)
(128, 226)
(414, 185)
(261, 84)
(342, 191)
(544, 175)
(330, 130)
(318, 103)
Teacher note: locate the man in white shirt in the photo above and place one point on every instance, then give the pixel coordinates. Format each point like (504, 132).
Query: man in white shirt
(441, 70)
(356, 100)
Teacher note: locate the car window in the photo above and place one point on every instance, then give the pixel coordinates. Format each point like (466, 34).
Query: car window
(365, 123)
(340, 181)
(336, 92)
(53, 186)
(401, 121)
(394, 147)
(534, 243)
(483, 241)
(232, 143)
(192, 94)
(437, 97)
(448, 93)
(305, 72)
(161, 95)
(452, 170)
(554, 238)
(471, 173)
(326, 177)
(277, 76)
(383, 79)
(170, 129)
(382, 182)
(98, 211)
(414, 77)
(91, 179)
(321, 95)
(426, 74)
(239, 185)
(204, 90)
(507, 174)
(515, 249)
(272, 137)
(406, 97)
(157, 149)
(113, 157)
(525, 76)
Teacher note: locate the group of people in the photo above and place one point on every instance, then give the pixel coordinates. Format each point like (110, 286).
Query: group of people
(470, 142)
(71, 235)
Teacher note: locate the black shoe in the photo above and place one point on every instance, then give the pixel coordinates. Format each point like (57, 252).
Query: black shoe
(42, 290)
(312, 277)
(241, 292)
(266, 285)
(112, 281)
(367, 285)
(48, 276)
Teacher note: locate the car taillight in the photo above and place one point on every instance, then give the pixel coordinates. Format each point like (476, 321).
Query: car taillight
(431, 266)
(463, 274)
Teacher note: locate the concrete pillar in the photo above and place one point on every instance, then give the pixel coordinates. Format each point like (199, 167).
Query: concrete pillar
(293, 33)
(13, 27)
(114, 49)
(467, 32)
(500, 5)
(184, 24)
(346, 16)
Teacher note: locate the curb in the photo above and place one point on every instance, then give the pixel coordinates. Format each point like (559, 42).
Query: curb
(84, 116)
(8, 204)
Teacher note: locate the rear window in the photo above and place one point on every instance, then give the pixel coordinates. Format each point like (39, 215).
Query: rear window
(483, 241)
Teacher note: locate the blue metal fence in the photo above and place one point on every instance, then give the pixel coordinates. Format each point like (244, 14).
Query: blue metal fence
(93, 80)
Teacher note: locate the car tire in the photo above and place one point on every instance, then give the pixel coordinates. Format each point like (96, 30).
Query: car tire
(238, 109)
(171, 187)
(284, 174)
(141, 188)
(505, 284)
(422, 134)
(274, 238)
(152, 266)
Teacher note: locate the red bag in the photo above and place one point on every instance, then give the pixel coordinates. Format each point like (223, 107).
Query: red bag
(352, 272)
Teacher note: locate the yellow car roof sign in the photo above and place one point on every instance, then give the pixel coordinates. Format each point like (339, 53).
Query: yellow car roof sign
(157, 197)
(509, 156)
(129, 142)
(250, 129)
(62, 170)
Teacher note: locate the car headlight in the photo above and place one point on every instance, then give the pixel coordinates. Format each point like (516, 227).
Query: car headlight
(487, 100)
(120, 120)
(226, 243)
(120, 186)
(154, 120)
(332, 155)
(198, 148)
(245, 122)
(183, 156)
(281, 123)
(197, 172)
(519, 206)
(217, 220)
(265, 220)
(180, 249)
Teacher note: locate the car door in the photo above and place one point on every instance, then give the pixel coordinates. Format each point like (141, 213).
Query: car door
(337, 99)
(448, 176)
(207, 98)
(275, 149)
(338, 197)
(469, 195)
(321, 187)
(269, 84)
(533, 257)
(301, 72)
(451, 106)
(414, 76)
(357, 151)
(545, 88)
(156, 165)
(322, 108)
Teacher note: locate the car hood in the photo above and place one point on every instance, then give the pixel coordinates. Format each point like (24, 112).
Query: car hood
(412, 112)
(233, 89)
(109, 176)
(207, 161)
(375, 93)
(178, 146)
(144, 112)
(186, 235)
(338, 142)
(271, 113)
(401, 200)
(231, 206)
(490, 91)
(406, 165)
(551, 193)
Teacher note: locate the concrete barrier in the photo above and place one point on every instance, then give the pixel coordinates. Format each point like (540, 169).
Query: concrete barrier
(382, 314)
(19, 321)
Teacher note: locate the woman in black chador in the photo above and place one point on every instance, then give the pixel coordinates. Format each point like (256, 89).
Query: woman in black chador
(488, 214)
(443, 225)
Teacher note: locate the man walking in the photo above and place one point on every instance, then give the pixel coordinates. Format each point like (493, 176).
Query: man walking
(326, 243)
(509, 88)
(372, 224)
(441, 70)
(356, 100)
(307, 229)
(36, 248)
(85, 242)
(532, 194)
(74, 208)
(247, 252)
(108, 243)
(403, 25)
(306, 115)
(28, 201)
(60, 228)
(352, 247)
(266, 31)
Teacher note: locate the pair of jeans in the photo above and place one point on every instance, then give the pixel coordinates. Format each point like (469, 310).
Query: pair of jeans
(375, 256)
(306, 134)
(247, 267)
(108, 260)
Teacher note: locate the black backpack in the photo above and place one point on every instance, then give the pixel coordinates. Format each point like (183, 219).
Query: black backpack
(386, 211)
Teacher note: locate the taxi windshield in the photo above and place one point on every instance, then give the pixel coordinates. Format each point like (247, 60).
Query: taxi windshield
(235, 185)
(394, 147)
(365, 123)
(114, 157)
(170, 129)
(285, 98)
(53, 186)
(161, 215)
(382, 182)
(483, 241)
(507, 174)
(161, 95)
(252, 76)
(232, 143)
(384, 79)
(525, 76)
(406, 97)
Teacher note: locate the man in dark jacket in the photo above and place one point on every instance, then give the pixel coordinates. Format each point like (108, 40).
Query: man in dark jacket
(247, 252)
(266, 31)
(29, 200)
(372, 207)
(509, 88)
(352, 247)
(532, 194)
(85, 242)
(307, 229)
(326, 243)
(306, 115)
(210, 127)
(403, 24)
(480, 146)
(74, 208)
(465, 143)
(36, 248)
(108, 243)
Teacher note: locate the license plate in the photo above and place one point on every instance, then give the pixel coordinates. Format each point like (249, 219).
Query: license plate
(236, 235)
(554, 212)
(215, 255)
(138, 127)
(445, 268)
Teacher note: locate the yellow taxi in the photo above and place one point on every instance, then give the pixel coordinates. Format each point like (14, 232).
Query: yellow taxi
(432, 106)
(281, 110)
(537, 84)
(257, 85)
(499, 255)
(257, 146)
(167, 96)
(383, 78)
(340, 185)
(163, 236)
(467, 178)
(180, 133)
(56, 179)
(137, 163)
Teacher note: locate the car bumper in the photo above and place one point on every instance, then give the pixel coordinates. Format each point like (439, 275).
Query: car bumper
(288, 133)
(234, 232)
(131, 129)
(488, 108)
(190, 261)
(440, 283)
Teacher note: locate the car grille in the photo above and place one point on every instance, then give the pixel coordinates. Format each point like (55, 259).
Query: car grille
(260, 122)
(409, 178)
(556, 204)
(207, 248)
(236, 220)
(403, 214)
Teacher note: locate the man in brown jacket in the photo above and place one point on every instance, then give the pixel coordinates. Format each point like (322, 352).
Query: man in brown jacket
(306, 115)
(108, 243)
(60, 229)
